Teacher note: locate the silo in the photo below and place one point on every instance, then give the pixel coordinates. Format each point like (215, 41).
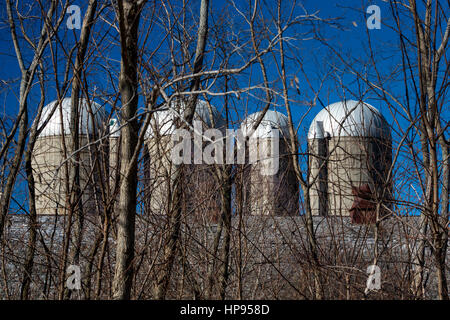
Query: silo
(270, 184)
(349, 157)
(200, 191)
(114, 149)
(50, 165)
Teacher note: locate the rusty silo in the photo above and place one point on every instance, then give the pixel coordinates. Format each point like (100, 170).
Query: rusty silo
(50, 165)
(200, 190)
(350, 155)
(270, 184)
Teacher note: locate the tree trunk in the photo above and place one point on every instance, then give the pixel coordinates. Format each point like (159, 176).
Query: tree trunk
(128, 16)
(175, 214)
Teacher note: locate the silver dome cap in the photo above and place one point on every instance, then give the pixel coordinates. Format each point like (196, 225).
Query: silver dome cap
(164, 121)
(56, 123)
(271, 120)
(114, 128)
(349, 118)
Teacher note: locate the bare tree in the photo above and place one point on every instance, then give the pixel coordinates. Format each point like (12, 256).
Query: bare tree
(191, 232)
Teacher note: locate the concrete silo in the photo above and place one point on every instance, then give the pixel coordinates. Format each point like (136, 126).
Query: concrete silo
(114, 149)
(200, 190)
(350, 154)
(50, 165)
(270, 184)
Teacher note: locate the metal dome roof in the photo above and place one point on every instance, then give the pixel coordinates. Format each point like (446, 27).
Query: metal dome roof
(53, 127)
(164, 120)
(272, 120)
(349, 118)
(114, 128)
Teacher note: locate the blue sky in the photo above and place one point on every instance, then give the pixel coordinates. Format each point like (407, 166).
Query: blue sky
(351, 39)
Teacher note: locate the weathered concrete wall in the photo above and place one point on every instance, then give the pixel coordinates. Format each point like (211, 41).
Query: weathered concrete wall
(268, 192)
(201, 190)
(159, 174)
(318, 176)
(268, 257)
(351, 162)
(114, 164)
(50, 171)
